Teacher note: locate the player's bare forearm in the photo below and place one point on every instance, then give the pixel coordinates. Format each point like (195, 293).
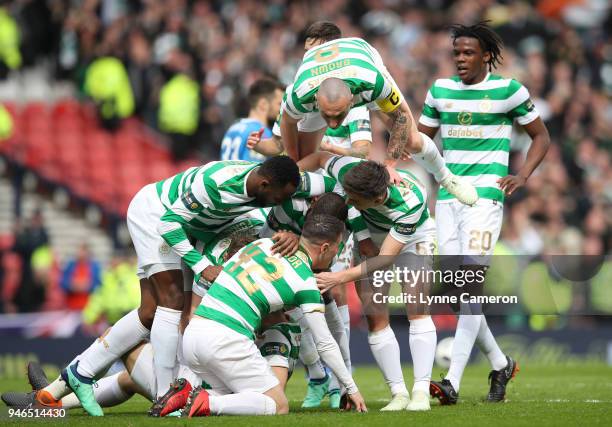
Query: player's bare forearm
(359, 149)
(289, 135)
(402, 133)
(538, 149)
(314, 161)
(269, 147)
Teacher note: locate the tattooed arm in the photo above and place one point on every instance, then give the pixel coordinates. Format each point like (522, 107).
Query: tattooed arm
(404, 135)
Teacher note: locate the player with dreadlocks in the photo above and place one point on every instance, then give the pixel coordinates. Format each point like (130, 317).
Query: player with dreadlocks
(475, 111)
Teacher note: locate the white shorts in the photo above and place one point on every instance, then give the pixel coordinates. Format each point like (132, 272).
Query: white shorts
(469, 230)
(345, 259)
(227, 361)
(421, 242)
(311, 122)
(143, 216)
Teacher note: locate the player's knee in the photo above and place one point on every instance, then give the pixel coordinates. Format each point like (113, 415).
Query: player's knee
(377, 322)
(146, 313)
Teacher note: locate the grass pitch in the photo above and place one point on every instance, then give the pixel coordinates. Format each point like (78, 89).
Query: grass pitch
(540, 395)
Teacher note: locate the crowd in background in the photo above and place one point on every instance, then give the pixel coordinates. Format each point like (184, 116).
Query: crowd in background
(213, 50)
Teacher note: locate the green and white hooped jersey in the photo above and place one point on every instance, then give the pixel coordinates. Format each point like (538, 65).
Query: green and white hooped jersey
(476, 127)
(282, 339)
(254, 282)
(405, 207)
(212, 196)
(291, 214)
(216, 248)
(351, 59)
(355, 127)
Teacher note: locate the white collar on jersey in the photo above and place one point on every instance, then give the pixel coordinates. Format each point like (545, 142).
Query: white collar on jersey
(475, 85)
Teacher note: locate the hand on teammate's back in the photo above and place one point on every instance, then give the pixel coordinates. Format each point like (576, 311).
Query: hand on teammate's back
(395, 178)
(286, 243)
(327, 280)
(254, 138)
(210, 273)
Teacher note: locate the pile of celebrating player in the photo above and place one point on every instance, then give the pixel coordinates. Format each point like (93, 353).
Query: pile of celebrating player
(243, 265)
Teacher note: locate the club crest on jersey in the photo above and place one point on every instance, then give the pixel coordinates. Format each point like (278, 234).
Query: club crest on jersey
(164, 249)
(465, 118)
(485, 105)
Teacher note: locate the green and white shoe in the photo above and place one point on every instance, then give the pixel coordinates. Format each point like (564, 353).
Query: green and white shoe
(334, 399)
(83, 389)
(317, 389)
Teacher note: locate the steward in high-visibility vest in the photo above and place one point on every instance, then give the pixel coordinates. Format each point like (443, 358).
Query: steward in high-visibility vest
(107, 83)
(10, 56)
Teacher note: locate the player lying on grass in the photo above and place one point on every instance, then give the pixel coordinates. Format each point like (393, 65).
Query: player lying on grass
(291, 215)
(278, 343)
(398, 220)
(219, 341)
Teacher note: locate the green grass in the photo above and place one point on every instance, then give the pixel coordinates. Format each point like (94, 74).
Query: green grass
(540, 395)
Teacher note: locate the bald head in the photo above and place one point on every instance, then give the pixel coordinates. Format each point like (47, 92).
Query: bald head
(334, 89)
(335, 99)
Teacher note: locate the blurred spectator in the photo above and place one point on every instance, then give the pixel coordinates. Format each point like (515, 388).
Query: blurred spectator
(107, 83)
(179, 105)
(6, 124)
(80, 278)
(118, 294)
(10, 56)
(560, 50)
(30, 294)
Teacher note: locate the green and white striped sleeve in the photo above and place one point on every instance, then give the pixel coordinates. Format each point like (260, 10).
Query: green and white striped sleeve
(314, 184)
(520, 105)
(173, 224)
(430, 116)
(357, 225)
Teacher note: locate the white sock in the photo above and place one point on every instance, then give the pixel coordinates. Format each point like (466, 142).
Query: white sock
(386, 351)
(467, 329)
(124, 335)
(487, 344)
(336, 327)
(423, 341)
(183, 370)
(334, 384)
(244, 403)
(58, 388)
(431, 160)
(107, 392)
(346, 319)
(309, 355)
(164, 339)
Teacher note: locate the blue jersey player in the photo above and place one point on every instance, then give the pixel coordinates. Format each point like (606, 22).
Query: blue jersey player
(265, 97)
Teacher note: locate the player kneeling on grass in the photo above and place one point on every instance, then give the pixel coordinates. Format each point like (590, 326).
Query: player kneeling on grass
(219, 341)
(278, 343)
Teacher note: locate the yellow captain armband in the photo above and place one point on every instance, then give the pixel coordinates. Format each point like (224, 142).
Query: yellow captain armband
(391, 102)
